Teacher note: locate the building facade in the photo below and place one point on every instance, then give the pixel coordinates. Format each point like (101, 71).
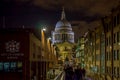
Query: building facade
(80, 51)
(105, 48)
(21, 56)
(111, 25)
(63, 31)
(63, 39)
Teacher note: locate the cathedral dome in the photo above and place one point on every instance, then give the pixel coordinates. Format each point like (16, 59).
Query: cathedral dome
(63, 31)
(63, 23)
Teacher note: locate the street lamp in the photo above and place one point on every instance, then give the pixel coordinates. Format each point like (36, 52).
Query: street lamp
(49, 44)
(49, 38)
(44, 29)
(119, 43)
(43, 37)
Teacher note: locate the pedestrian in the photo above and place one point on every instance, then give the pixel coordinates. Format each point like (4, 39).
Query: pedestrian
(54, 72)
(77, 73)
(83, 73)
(71, 73)
(80, 73)
(66, 69)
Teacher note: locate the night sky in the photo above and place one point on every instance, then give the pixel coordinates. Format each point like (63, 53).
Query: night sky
(36, 13)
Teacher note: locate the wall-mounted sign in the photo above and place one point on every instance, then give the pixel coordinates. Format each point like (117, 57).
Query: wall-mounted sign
(12, 50)
(12, 46)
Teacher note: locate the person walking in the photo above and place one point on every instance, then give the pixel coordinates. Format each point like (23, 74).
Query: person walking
(80, 73)
(71, 73)
(77, 73)
(83, 73)
(66, 72)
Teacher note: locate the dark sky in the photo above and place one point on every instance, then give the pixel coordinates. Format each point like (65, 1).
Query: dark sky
(35, 13)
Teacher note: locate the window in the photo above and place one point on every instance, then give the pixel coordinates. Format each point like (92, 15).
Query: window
(63, 37)
(110, 25)
(1, 66)
(19, 66)
(70, 36)
(107, 29)
(13, 66)
(34, 50)
(10, 67)
(97, 46)
(118, 19)
(97, 57)
(118, 74)
(114, 70)
(114, 38)
(109, 40)
(33, 55)
(97, 36)
(107, 70)
(110, 70)
(107, 56)
(6, 66)
(117, 55)
(114, 23)
(117, 36)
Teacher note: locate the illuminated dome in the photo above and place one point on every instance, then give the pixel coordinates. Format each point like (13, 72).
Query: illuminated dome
(63, 23)
(63, 31)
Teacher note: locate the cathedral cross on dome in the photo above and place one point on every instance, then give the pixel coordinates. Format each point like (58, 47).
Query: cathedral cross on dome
(63, 14)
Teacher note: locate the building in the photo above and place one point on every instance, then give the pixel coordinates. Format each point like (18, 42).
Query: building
(21, 56)
(105, 56)
(111, 25)
(63, 31)
(63, 39)
(89, 51)
(80, 51)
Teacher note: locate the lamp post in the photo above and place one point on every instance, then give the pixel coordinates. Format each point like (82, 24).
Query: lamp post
(43, 37)
(48, 44)
(49, 48)
(43, 53)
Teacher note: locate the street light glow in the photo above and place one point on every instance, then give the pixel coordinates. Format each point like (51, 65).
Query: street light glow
(119, 43)
(44, 29)
(49, 38)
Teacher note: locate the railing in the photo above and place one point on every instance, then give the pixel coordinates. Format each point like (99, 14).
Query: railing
(60, 76)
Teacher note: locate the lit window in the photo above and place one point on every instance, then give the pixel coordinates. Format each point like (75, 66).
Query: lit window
(19, 66)
(1, 66)
(13, 66)
(6, 66)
